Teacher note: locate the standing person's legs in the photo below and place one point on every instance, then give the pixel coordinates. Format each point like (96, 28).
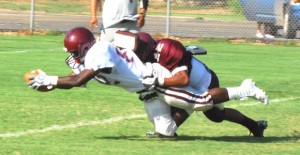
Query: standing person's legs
(259, 33)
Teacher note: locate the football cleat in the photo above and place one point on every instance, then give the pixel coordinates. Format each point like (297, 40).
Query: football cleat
(261, 125)
(253, 91)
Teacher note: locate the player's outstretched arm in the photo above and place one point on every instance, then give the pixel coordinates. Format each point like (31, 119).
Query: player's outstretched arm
(77, 80)
(66, 82)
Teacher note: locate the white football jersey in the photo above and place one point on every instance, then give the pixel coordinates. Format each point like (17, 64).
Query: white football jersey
(127, 69)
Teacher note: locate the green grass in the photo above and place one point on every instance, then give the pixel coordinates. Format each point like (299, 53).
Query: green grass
(274, 68)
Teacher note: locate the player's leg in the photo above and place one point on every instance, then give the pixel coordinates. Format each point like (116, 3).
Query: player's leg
(219, 113)
(246, 89)
(189, 99)
(214, 114)
(177, 98)
(159, 113)
(179, 115)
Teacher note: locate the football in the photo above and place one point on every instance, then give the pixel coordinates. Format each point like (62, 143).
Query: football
(35, 73)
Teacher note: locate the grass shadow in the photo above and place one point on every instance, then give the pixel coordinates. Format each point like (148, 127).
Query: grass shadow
(246, 139)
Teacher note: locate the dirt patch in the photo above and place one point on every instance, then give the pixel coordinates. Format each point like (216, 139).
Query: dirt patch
(25, 32)
(255, 42)
(264, 42)
(183, 40)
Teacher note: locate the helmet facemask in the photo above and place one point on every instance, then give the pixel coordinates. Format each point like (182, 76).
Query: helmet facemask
(73, 60)
(77, 42)
(76, 59)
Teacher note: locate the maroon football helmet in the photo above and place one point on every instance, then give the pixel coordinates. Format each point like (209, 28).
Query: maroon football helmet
(78, 41)
(146, 47)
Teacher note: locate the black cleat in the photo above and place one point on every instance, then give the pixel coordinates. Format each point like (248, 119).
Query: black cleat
(261, 126)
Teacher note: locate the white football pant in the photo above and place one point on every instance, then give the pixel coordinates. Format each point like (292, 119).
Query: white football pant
(159, 113)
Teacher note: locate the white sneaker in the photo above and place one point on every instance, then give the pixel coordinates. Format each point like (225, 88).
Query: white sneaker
(269, 36)
(259, 35)
(253, 91)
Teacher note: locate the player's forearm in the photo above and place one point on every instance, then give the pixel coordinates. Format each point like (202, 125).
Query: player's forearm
(143, 6)
(143, 11)
(68, 82)
(176, 81)
(94, 6)
(180, 79)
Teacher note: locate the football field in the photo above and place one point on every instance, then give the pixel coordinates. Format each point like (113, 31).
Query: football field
(102, 119)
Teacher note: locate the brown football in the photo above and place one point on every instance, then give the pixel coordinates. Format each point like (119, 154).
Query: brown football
(35, 73)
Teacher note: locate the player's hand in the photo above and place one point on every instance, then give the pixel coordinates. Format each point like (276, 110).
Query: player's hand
(42, 80)
(150, 82)
(141, 21)
(93, 21)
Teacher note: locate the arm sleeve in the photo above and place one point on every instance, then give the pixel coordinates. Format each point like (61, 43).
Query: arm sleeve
(144, 4)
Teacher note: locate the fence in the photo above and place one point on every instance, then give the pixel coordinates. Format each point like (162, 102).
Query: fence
(188, 18)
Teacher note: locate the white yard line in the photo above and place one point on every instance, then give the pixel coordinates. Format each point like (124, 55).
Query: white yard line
(71, 126)
(13, 52)
(29, 50)
(274, 101)
(110, 120)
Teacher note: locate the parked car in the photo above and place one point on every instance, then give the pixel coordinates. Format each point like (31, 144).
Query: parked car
(278, 14)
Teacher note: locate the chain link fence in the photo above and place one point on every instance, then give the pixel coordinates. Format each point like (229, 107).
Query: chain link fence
(187, 18)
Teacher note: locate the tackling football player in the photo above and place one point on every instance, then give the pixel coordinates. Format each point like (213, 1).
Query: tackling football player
(121, 67)
(187, 70)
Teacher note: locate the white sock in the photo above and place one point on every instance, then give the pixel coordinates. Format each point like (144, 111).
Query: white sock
(235, 93)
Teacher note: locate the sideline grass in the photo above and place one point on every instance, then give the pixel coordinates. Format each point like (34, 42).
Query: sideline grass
(274, 68)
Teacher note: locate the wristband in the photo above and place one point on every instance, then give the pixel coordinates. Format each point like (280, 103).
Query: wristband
(161, 81)
(53, 80)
